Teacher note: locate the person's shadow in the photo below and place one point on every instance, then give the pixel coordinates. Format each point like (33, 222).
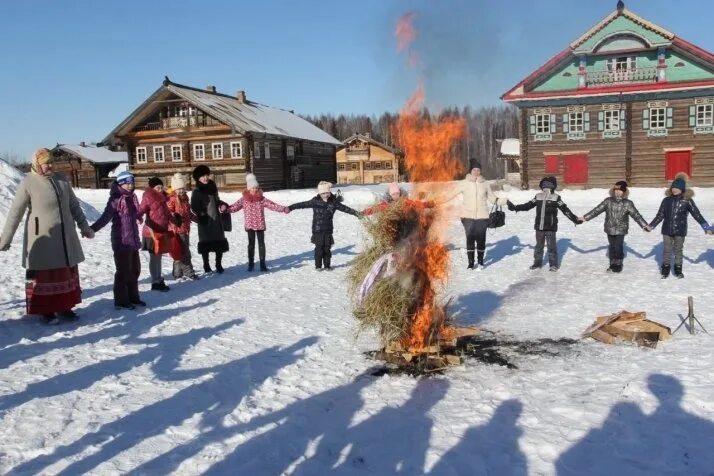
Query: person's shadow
(504, 248)
(565, 244)
(475, 307)
(669, 441)
(488, 449)
(404, 435)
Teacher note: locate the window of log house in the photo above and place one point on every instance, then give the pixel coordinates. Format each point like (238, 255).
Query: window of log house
(217, 150)
(159, 153)
(176, 153)
(199, 152)
(612, 120)
(141, 155)
(658, 118)
(256, 150)
(575, 122)
(542, 123)
(236, 150)
(705, 115)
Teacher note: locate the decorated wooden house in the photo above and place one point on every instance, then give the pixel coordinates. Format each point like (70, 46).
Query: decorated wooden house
(627, 100)
(362, 159)
(179, 127)
(87, 165)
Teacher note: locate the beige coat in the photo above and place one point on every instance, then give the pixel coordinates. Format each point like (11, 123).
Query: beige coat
(477, 194)
(50, 239)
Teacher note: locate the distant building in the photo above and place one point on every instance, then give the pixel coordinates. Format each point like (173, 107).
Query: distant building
(362, 159)
(510, 153)
(87, 166)
(627, 100)
(179, 127)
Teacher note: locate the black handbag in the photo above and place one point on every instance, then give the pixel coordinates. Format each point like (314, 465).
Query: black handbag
(497, 217)
(226, 221)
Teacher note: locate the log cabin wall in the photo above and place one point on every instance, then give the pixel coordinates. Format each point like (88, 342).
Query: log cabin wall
(81, 173)
(366, 164)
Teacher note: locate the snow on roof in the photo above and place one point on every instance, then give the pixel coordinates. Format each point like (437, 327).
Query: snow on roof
(510, 147)
(250, 116)
(123, 167)
(92, 153)
(369, 139)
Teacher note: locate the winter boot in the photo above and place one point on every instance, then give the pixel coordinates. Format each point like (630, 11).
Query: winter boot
(611, 268)
(219, 266)
(206, 266)
(479, 256)
(50, 319)
(68, 315)
(678, 271)
(664, 271)
(470, 255)
(553, 268)
(251, 265)
(160, 286)
(263, 266)
(536, 266)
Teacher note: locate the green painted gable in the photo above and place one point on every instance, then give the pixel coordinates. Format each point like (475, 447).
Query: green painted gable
(681, 68)
(564, 79)
(622, 25)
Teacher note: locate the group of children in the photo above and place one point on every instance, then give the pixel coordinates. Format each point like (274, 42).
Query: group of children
(168, 214)
(618, 208)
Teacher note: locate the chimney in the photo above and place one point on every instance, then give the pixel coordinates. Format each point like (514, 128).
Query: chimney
(210, 88)
(82, 144)
(240, 95)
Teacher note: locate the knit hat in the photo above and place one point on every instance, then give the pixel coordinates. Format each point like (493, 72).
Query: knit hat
(124, 177)
(621, 185)
(251, 181)
(154, 181)
(200, 171)
(394, 188)
(680, 183)
(548, 182)
(324, 187)
(474, 164)
(177, 181)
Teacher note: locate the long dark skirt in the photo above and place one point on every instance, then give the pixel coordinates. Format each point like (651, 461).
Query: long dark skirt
(52, 290)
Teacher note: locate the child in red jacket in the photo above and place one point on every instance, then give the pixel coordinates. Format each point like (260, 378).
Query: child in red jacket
(253, 204)
(180, 207)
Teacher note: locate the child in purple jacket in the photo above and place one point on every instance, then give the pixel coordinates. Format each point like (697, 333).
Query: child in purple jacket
(123, 211)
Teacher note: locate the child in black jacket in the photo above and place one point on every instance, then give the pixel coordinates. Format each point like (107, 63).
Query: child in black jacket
(674, 210)
(324, 205)
(547, 203)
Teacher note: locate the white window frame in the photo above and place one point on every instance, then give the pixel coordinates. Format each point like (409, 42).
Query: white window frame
(704, 114)
(141, 155)
(576, 122)
(217, 146)
(256, 150)
(160, 149)
(176, 157)
(196, 148)
(611, 120)
(542, 123)
(290, 152)
(658, 118)
(239, 146)
(266, 145)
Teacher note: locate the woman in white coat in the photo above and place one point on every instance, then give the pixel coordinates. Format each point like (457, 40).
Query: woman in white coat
(477, 194)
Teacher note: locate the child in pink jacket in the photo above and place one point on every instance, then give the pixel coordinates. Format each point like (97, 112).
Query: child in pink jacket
(253, 204)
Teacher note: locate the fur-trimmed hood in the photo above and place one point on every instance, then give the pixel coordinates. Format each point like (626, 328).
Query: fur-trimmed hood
(253, 197)
(624, 196)
(688, 193)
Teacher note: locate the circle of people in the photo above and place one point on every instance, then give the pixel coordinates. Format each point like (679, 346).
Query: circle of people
(52, 250)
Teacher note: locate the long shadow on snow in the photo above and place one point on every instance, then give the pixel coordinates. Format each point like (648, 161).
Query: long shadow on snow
(393, 440)
(504, 248)
(164, 351)
(126, 325)
(216, 396)
(296, 260)
(491, 448)
(565, 244)
(669, 440)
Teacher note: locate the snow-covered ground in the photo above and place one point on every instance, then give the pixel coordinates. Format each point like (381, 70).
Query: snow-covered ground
(261, 373)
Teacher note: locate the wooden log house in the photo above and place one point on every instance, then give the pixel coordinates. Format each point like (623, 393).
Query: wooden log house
(627, 100)
(362, 160)
(179, 127)
(86, 165)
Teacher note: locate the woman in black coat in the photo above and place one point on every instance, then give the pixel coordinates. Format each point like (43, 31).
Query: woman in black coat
(206, 205)
(324, 205)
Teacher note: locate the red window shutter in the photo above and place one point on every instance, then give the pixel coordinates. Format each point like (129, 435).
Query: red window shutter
(552, 164)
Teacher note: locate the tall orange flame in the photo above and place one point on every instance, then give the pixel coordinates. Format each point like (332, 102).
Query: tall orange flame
(405, 32)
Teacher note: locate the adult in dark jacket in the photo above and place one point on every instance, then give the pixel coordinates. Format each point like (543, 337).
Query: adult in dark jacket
(208, 207)
(124, 212)
(547, 203)
(618, 209)
(674, 211)
(324, 205)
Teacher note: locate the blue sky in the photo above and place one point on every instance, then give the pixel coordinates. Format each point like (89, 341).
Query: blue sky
(72, 70)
